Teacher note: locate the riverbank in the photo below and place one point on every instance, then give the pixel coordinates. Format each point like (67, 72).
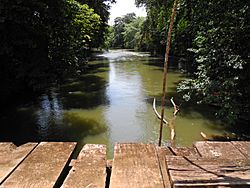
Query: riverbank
(111, 102)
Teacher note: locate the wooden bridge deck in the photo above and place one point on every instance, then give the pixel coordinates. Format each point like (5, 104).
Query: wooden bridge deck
(50, 164)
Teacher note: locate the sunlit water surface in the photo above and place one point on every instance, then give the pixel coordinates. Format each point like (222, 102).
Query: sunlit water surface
(111, 102)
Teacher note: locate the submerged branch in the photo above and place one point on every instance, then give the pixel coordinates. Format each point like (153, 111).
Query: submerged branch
(157, 114)
(204, 136)
(176, 108)
(170, 122)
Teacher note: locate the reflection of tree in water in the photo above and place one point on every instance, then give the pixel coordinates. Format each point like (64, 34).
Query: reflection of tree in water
(50, 113)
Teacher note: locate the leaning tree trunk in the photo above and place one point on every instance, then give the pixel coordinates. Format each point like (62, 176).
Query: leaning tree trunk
(164, 90)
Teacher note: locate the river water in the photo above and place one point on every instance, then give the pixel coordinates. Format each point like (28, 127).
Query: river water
(111, 102)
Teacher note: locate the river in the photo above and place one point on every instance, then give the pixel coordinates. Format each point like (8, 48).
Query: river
(111, 102)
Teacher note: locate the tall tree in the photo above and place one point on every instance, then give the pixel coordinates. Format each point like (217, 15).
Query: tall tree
(210, 37)
(119, 29)
(43, 40)
(222, 58)
(101, 7)
(133, 34)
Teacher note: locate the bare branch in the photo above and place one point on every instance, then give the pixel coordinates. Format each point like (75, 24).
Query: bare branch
(170, 123)
(172, 134)
(176, 108)
(157, 114)
(172, 129)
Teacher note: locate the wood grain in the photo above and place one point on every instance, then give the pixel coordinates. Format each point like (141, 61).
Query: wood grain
(89, 170)
(11, 156)
(185, 151)
(218, 150)
(243, 147)
(186, 171)
(42, 167)
(162, 152)
(137, 166)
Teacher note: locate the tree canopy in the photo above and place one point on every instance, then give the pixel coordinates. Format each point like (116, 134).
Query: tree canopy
(211, 38)
(221, 53)
(47, 40)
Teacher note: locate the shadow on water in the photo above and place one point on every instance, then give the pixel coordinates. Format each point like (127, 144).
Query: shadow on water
(101, 66)
(47, 121)
(53, 116)
(86, 92)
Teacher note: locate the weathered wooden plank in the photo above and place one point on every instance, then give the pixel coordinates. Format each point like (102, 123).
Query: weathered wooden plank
(219, 150)
(89, 170)
(11, 156)
(244, 148)
(162, 152)
(185, 151)
(42, 167)
(135, 165)
(109, 163)
(190, 172)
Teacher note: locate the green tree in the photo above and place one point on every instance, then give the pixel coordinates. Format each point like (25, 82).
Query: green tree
(222, 58)
(155, 28)
(71, 35)
(44, 41)
(133, 33)
(101, 7)
(210, 37)
(109, 37)
(119, 28)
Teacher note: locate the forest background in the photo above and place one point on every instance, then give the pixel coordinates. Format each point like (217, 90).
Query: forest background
(44, 42)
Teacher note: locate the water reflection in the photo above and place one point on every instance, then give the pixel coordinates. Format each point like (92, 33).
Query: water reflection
(110, 103)
(121, 55)
(50, 113)
(125, 95)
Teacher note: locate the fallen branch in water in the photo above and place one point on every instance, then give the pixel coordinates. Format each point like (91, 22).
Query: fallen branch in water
(157, 114)
(176, 108)
(172, 133)
(170, 122)
(204, 136)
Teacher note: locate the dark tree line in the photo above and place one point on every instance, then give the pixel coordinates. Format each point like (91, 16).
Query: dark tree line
(44, 41)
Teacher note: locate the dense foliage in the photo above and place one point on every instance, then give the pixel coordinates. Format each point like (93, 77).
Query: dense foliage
(43, 41)
(127, 32)
(221, 51)
(116, 32)
(211, 39)
(101, 7)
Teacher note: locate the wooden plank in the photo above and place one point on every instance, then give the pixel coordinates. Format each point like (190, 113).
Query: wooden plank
(162, 152)
(109, 163)
(137, 166)
(219, 150)
(42, 167)
(89, 170)
(193, 172)
(244, 148)
(185, 151)
(11, 156)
